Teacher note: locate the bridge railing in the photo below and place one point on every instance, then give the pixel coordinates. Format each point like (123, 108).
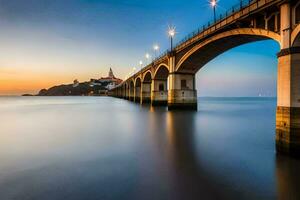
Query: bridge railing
(234, 9)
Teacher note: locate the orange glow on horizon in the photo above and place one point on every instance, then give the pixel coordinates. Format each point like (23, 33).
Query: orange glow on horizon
(32, 83)
(18, 82)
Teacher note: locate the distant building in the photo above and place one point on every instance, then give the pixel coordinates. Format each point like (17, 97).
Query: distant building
(106, 83)
(110, 73)
(75, 83)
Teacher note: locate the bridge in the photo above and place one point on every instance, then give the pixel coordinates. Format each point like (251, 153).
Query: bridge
(170, 79)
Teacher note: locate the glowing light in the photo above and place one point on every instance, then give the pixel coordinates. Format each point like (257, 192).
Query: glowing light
(155, 47)
(147, 56)
(213, 3)
(172, 32)
(141, 62)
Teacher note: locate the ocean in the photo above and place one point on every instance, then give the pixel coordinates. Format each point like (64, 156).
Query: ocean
(106, 148)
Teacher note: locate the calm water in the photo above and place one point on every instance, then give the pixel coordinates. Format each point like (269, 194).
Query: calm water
(105, 148)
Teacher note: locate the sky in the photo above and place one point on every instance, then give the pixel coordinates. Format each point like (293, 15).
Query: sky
(51, 42)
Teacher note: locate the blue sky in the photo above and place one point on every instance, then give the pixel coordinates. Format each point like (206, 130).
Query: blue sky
(46, 42)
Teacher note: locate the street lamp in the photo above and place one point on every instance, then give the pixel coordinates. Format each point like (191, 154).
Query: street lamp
(156, 49)
(171, 33)
(213, 4)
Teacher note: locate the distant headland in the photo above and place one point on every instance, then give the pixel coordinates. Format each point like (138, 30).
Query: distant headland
(94, 87)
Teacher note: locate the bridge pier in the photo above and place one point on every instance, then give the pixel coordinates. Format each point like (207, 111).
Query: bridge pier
(120, 93)
(146, 92)
(131, 91)
(159, 92)
(127, 92)
(288, 102)
(124, 92)
(182, 93)
(288, 89)
(137, 96)
(137, 90)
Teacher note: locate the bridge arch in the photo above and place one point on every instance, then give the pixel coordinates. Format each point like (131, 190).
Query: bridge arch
(295, 38)
(161, 72)
(137, 81)
(147, 77)
(201, 54)
(131, 83)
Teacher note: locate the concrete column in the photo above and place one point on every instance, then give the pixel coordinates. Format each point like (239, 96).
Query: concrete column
(285, 25)
(159, 93)
(127, 93)
(182, 92)
(146, 92)
(288, 90)
(137, 94)
(131, 94)
(123, 93)
(288, 102)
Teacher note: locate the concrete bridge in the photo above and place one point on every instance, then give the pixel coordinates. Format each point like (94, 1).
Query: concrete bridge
(170, 79)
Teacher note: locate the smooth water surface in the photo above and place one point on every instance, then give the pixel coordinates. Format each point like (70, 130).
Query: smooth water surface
(56, 148)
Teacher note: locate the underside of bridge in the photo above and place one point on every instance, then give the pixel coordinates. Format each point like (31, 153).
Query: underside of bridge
(206, 51)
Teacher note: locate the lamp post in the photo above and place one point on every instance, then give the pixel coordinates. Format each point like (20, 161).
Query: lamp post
(213, 4)
(171, 33)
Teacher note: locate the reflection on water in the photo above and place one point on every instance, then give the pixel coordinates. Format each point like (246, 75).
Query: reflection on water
(288, 178)
(189, 176)
(106, 148)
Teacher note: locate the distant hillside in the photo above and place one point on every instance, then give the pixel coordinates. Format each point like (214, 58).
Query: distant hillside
(94, 87)
(82, 89)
